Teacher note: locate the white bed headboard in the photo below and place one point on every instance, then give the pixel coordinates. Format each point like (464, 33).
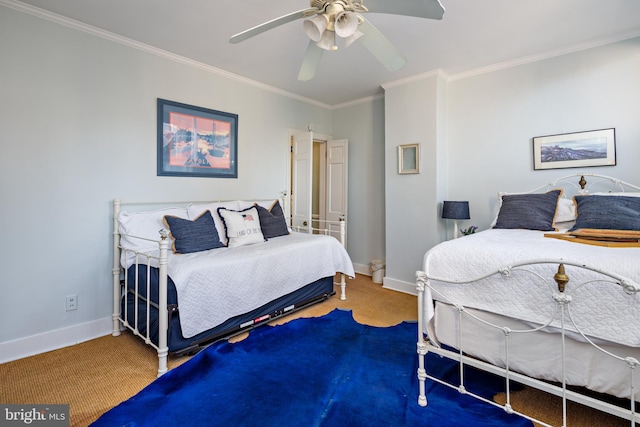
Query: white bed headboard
(587, 183)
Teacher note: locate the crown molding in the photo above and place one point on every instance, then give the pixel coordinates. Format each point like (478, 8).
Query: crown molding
(511, 63)
(366, 99)
(417, 77)
(79, 26)
(543, 56)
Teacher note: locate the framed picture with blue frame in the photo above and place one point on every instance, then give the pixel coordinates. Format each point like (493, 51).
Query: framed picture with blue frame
(196, 141)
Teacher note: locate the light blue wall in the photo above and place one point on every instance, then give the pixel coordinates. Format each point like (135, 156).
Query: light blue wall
(363, 125)
(491, 119)
(78, 121)
(414, 113)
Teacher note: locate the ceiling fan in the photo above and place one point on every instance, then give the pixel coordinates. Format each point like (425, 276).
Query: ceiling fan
(325, 20)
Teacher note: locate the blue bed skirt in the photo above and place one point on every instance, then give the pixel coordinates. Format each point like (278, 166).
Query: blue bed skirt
(309, 294)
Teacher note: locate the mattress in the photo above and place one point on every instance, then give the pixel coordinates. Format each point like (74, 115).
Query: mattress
(215, 285)
(604, 310)
(537, 354)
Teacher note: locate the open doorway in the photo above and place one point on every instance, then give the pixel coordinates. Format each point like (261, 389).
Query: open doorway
(317, 179)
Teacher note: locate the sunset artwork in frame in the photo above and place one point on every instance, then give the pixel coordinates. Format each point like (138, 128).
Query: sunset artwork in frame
(196, 141)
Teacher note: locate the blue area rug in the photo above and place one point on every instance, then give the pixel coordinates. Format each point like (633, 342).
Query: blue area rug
(325, 371)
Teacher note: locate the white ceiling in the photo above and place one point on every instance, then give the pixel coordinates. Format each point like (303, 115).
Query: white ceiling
(472, 35)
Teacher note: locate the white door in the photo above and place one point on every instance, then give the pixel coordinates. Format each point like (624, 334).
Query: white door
(301, 179)
(336, 186)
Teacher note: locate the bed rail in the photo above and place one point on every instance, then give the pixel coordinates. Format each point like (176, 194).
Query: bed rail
(561, 292)
(328, 228)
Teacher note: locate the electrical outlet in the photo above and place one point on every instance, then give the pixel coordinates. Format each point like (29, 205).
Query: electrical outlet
(72, 302)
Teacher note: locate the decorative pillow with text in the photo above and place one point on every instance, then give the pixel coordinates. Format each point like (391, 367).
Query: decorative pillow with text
(242, 227)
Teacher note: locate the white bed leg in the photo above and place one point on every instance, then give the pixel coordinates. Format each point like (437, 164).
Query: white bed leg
(343, 287)
(343, 242)
(162, 361)
(116, 270)
(163, 315)
(421, 346)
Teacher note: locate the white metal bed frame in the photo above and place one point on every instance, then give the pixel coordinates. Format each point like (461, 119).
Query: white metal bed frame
(563, 301)
(120, 323)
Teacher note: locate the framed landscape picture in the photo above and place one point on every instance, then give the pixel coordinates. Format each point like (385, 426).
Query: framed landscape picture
(197, 142)
(575, 150)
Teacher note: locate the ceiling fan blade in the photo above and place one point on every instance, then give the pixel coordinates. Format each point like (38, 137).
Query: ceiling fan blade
(381, 47)
(431, 9)
(311, 61)
(259, 29)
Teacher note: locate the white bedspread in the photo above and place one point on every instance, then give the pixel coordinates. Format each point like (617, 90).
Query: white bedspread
(221, 283)
(604, 310)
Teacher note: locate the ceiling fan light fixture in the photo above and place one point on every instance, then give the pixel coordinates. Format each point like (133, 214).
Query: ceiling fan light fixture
(315, 27)
(328, 41)
(346, 24)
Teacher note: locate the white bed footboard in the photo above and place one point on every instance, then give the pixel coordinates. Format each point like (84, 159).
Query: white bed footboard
(564, 295)
(328, 228)
(122, 321)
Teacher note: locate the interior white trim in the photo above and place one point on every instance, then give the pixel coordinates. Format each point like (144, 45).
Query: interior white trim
(399, 286)
(54, 340)
(357, 101)
(415, 78)
(362, 269)
(98, 32)
(542, 56)
(70, 23)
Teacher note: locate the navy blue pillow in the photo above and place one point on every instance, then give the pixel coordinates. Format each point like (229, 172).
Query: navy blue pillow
(193, 236)
(529, 211)
(272, 221)
(607, 212)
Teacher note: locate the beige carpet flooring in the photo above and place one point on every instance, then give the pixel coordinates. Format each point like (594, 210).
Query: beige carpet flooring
(97, 375)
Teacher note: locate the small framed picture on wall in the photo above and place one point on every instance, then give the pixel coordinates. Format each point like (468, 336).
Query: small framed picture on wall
(408, 159)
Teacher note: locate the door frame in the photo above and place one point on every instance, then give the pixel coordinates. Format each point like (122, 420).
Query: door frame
(291, 132)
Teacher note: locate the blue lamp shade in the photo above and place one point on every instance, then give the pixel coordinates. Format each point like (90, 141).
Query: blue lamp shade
(455, 210)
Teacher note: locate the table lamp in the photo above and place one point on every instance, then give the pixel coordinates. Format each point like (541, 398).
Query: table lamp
(455, 211)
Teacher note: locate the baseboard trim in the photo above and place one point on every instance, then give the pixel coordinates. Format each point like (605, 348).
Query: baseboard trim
(400, 286)
(65, 337)
(54, 340)
(362, 269)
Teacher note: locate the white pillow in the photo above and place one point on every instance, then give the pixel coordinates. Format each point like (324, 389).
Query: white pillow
(620, 193)
(242, 227)
(566, 210)
(146, 225)
(196, 210)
